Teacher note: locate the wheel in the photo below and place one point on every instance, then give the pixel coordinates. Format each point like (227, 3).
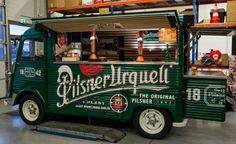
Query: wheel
(152, 123)
(31, 110)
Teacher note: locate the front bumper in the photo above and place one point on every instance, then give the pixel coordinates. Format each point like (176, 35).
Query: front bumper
(180, 124)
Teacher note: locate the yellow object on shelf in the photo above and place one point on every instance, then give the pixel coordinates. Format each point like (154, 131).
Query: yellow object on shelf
(104, 10)
(87, 2)
(106, 1)
(56, 3)
(225, 59)
(51, 3)
(73, 3)
(167, 35)
(194, 70)
(59, 3)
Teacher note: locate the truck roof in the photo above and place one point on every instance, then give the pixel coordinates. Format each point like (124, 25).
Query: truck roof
(112, 22)
(31, 31)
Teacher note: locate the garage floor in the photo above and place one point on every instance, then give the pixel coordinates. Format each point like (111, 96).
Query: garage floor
(13, 130)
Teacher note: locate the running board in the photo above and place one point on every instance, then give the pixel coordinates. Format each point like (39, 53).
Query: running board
(82, 131)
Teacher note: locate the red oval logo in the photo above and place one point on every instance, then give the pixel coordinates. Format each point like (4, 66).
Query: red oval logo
(91, 70)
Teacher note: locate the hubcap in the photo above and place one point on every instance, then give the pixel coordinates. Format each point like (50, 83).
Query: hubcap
(30, 110)
(152, 121)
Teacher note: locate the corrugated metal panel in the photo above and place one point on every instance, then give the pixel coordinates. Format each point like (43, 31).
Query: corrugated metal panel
(130, 40)
(205, 98)
(35, 82)
(152, 51)
(105, 96)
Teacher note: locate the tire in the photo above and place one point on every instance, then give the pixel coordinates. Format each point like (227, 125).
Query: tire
(31, 110)
(152, 123)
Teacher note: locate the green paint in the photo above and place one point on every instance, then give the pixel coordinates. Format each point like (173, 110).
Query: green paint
(167, 55)
(205, 98)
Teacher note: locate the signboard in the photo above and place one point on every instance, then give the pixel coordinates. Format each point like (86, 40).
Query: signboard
(151, 36)
(92, 81)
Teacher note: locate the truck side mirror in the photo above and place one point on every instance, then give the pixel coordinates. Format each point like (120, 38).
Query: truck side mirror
(8, 73)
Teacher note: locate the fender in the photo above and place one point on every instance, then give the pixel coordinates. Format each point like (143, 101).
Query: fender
(172, 111)
(24, 91)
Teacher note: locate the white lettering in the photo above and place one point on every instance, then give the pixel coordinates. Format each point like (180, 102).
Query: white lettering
(133, 78)
(161, 75)
(143, 77)
(105, 78)
(70, 89)
(98, 81)
(153, 77)
(115, 76)
(64, 83)
(124, 77)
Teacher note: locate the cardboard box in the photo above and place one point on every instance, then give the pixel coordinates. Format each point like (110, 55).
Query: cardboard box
(167, 35)
(231, 11)
(51, 3)
(104, 10)
(225, 59)
(87, 2)
(56, 3)
(69, 3)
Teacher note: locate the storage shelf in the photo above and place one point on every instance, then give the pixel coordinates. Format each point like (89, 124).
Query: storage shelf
(127, 5)
(220, 29)
(94, 7)
(215, 25)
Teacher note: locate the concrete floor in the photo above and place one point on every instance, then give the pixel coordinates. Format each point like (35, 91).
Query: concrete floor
(13, 130)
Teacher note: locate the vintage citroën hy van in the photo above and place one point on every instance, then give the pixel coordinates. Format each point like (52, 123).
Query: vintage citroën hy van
(128, 67)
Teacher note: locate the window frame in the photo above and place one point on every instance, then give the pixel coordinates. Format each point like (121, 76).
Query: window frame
(21, 58)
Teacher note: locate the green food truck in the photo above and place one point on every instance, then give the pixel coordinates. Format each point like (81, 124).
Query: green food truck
(127, 67)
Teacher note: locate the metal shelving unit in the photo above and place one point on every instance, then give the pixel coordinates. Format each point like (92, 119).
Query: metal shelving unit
(130, 5)
(195, 4)
(221, 29)
(115, 5)
(214, 29)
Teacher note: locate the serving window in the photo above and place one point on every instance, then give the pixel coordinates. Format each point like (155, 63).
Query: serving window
(117, 46)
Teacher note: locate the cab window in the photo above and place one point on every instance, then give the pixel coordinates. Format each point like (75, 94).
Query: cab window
(33, 50)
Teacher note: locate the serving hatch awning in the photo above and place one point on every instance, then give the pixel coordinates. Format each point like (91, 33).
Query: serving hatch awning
(112, 22)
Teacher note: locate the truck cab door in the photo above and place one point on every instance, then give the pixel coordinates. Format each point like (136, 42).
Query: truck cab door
(29, 73)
